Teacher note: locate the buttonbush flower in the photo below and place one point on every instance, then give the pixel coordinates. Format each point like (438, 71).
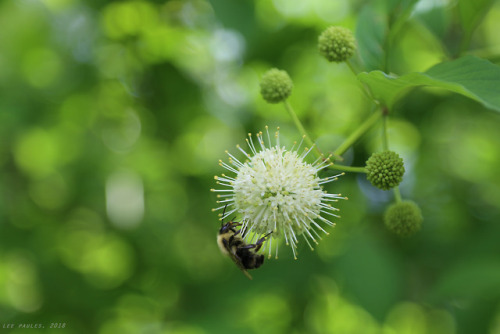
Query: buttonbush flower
(337, 44)
(275, 189)
(275, 86)
(403, 218)
(385, 169)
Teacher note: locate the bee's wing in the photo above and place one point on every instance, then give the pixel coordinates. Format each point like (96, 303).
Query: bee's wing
(237, 260)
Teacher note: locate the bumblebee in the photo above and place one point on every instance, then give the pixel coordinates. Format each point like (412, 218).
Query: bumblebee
(232, 244)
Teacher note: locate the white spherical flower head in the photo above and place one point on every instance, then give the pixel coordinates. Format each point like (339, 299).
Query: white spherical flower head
(277, 190)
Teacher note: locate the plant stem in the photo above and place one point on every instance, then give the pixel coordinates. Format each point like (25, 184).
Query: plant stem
(351, 67)
(385, 147)
(464, 44)
(397, 194)
(300, 127)
(368, 123)
(385, 141)
(348, 168)
(366, 89)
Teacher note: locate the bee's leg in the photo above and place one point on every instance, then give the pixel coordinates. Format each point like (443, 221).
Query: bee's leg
(233, 224)
(236, 233)
(259, 242)
(249, 246)
(223, 213)
(232, 250)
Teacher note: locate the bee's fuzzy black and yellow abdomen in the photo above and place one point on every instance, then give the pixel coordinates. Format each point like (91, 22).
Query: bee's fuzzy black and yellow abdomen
(243, 255)
(249, 259)
(247, 256)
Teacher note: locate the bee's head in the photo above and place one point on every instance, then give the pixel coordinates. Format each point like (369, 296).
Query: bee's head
(224, 228)
(229, 226)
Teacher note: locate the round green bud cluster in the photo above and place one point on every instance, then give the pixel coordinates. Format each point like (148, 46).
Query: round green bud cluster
(385, 169)
(403, 218)
(275, 86)
(337, 44)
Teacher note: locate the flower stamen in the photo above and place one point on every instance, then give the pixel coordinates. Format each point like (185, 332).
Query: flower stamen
(276, 190)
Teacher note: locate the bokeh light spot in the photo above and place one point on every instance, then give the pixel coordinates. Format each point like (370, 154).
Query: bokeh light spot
(125, 199)
(331, 11)
(331, 313)
(129, 18)
(122, 132)
(203, 140)
(21, 282)
(411, 318)
(292, 9)
(482, 156)
(42, 67)
(139, 308)
(36, 153)
(58, 5)
(104, 259)
(50, 192)
(160, 43)
(269, 309)
(110, 263)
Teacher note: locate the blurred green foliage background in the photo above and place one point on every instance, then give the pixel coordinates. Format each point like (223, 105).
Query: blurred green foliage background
(114, 114)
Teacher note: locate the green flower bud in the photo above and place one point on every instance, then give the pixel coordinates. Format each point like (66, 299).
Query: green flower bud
(403, 218)
(385, 170)
(275, 86)
(337, 44)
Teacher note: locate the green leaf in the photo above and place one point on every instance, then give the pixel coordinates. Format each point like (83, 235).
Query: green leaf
(370, 36)
(470, 76)
(474, 279)
(472, 12)
(378, 25)
(437, 19)
(400, 12)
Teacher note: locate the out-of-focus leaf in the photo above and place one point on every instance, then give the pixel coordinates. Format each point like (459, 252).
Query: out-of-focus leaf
(382, 268)
(470, 76)
(472, 12)
(471, 280)
(400, 11)
(400, 6)
(378, 24)
(370, 34)
(435, 19)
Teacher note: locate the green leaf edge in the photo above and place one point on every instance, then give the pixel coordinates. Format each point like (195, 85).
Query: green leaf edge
(402, 84)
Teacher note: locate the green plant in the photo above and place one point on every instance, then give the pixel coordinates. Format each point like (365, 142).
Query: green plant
(467, 75)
